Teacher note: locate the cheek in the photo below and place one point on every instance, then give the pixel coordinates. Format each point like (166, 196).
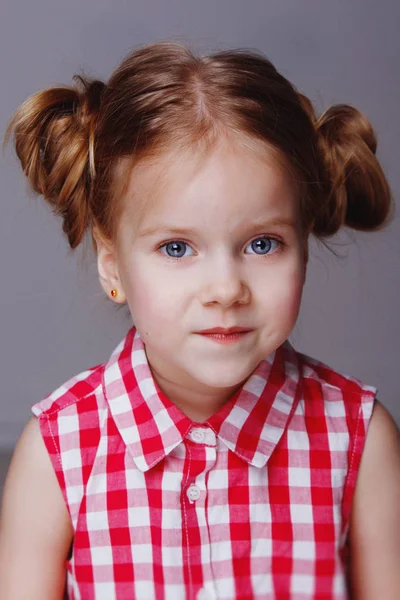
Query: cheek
(153, 301)
(282, 289)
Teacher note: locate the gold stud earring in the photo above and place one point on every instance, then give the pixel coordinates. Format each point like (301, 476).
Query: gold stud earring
(114, 293)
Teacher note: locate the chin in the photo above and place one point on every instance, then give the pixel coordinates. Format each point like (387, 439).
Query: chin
(225, 377)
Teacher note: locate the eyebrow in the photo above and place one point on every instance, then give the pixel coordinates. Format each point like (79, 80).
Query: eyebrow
(193, 231)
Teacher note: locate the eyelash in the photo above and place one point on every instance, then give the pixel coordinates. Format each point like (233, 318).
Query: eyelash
(280, 248)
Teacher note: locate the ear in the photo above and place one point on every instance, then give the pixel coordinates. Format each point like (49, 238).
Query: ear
(107, 266)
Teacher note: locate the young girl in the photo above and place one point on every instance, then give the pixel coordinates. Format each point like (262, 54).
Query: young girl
(206, 458)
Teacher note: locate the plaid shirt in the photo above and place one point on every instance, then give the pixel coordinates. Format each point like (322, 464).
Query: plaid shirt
(253, 503)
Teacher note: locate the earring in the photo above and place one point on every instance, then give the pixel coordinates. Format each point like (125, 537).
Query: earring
(114, 293)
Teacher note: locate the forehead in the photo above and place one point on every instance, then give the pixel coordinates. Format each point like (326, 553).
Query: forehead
(229, 183)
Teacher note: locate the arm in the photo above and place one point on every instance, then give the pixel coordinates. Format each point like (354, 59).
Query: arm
(35, 526)
(374, 534)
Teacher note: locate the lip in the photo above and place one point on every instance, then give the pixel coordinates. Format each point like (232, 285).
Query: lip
(224, 331)
(225, 336)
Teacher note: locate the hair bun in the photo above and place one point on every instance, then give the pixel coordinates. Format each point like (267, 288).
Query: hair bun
(343, 123)
(89, 98)
(54, 132)
(358, 193)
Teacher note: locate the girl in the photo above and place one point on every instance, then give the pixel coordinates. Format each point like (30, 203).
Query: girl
(206, 458)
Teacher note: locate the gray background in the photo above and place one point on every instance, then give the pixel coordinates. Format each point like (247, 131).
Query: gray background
(55, 319)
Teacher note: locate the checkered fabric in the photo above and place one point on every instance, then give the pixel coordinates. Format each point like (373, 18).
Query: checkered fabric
(253, 503)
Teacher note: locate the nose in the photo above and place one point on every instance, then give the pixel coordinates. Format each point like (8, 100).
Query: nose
(224, 283)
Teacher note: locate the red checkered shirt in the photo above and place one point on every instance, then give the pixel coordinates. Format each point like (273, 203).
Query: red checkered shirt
(253, 503)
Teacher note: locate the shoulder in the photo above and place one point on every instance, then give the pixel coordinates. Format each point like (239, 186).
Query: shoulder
(85, 385)
(315, 369)
(69, 421)
(380, 461)
(374, 532)
(30, 462)
(383, 428)
(342, 394)
(75, 389)
(381, 457)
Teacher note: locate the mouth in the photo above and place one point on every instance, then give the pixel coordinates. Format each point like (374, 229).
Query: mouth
(225, 336)
(225, 330)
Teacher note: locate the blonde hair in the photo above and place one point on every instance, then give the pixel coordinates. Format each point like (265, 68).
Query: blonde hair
(75, 142)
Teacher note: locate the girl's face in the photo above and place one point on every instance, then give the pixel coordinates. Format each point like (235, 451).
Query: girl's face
(220, 245)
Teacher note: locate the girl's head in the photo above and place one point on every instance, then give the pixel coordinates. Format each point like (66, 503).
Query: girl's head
(200, 180)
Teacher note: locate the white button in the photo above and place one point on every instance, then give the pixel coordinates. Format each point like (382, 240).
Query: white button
(193, 493)
(197, 435)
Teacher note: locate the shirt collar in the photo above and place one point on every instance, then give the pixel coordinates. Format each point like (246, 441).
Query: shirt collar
(251, 423)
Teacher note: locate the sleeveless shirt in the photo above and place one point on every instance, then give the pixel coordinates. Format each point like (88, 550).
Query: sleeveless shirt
(252, 504)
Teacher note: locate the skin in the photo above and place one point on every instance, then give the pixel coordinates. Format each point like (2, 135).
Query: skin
(374, 534)
(35, 527)
(221, 281)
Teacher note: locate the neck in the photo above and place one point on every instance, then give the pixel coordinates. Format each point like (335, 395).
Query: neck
(198, 405)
